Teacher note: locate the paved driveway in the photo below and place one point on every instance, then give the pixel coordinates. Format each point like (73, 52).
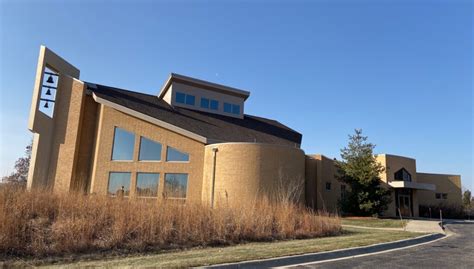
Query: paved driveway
(456, 251)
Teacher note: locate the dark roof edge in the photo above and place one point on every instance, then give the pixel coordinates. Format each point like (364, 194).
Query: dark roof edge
(202, 84)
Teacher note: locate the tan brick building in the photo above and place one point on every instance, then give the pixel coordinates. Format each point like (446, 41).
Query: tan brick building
(190, 142)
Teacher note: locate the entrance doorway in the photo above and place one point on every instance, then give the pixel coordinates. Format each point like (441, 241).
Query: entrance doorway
(404, 202)
(404, 205)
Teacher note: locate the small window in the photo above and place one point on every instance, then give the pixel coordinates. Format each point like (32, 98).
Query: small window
(190, 99)
(204, 103)
(149, 150)
(438, 195)
(328, 186)
(124, 143)
(180, 97)
(236, 109)
(119, 184)
(175, 185)
(227, 108)
(174, 155)
(214, 105)
(402, 175)
(445, 196)
(147, 184)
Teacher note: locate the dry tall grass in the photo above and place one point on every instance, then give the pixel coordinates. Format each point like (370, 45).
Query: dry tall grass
(40, 223)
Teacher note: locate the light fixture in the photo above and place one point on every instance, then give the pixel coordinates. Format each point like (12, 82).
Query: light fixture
(50, 79)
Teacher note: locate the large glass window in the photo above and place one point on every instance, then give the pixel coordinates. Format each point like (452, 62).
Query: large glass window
(174, 155)
(180, 97)
(119, 184)
(147, 184)
(176, 185)
(214, 105)
(227, 108)
(123, 145)
(204, 102)
(149, 150)
(190, 99)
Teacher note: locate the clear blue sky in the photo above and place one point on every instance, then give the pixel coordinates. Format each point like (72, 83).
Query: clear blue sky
(400, 70)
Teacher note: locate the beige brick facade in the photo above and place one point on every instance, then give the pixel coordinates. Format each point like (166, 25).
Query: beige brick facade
(103, 165)
(72, 151)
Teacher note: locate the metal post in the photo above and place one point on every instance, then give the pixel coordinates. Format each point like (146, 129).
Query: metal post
(214, 150)
(401, 218)
(441, 217)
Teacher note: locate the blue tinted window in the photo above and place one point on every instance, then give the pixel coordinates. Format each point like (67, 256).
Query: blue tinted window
(180, 97)
(176, 185)
(235, 109)
(147, 184)
(214, 105)
(119, 184)
(123, 145)
(204, 103)
(149, 150)
(190, 99)
(227, 108)
(174, 155)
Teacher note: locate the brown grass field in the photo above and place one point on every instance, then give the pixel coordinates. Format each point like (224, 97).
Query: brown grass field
(39, 224)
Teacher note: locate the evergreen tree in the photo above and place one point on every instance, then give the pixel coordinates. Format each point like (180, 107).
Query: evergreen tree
(361, 172)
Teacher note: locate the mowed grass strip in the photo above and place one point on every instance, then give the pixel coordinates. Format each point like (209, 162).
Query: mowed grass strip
(374, 222)
(243, 252)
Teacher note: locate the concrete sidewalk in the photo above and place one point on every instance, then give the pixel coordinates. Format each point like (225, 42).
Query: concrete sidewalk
(372, 228)
(424, 226)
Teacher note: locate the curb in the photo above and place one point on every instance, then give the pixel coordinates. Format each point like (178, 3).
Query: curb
(330, 255)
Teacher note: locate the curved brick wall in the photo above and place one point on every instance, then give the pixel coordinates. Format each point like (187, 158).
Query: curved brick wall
(246, 171)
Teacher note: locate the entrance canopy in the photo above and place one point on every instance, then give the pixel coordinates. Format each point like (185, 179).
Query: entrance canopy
(412, 185)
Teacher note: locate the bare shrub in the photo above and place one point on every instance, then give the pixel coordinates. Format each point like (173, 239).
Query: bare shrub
(39, 223)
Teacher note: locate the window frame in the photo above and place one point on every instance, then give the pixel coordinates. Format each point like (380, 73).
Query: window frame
(132, 159)
(204, 99)
(190, 97)
(343, 191)
(328, 184)
(180, 94)
(175, 198)
(229, 106)
(140, 150)
(211, 107)
(166, 159)
(234, 106)
(157, 184)
(129, 183)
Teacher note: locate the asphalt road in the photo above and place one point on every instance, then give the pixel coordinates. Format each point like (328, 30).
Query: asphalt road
(456, 251)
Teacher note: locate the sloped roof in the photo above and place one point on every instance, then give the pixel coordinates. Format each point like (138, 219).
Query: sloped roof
(214, 127)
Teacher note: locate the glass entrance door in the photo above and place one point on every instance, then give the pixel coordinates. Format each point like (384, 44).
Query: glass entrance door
(404, 204)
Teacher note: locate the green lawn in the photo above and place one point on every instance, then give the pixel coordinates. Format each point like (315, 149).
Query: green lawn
(352, 237)
(374, 222)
